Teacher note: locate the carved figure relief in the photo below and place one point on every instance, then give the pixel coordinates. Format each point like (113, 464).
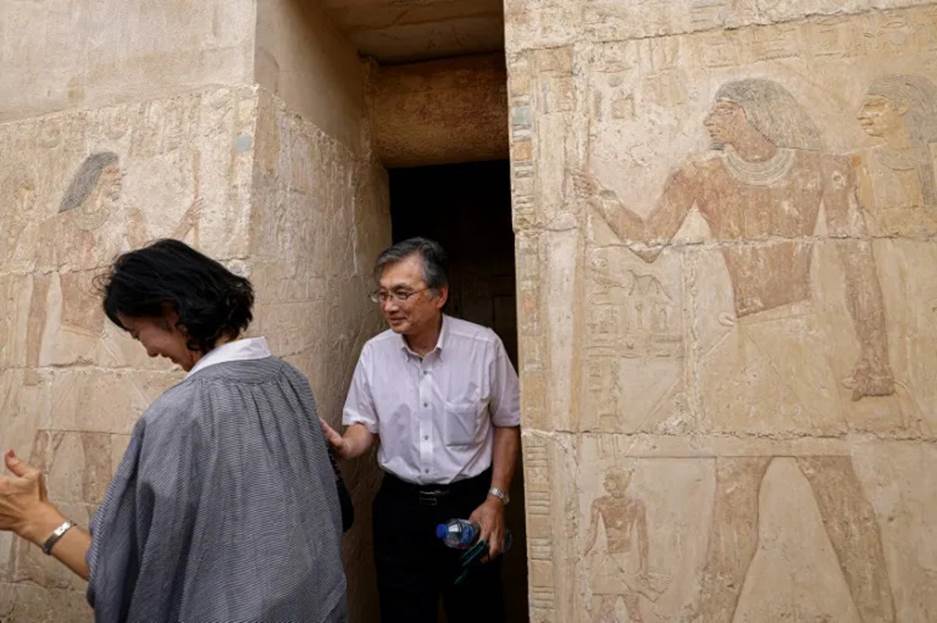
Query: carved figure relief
(621, 571)
(898, 177)
(19, 190)
(848, 519)
(16, 230)
(760, 191)
(898, 187)
(89, 229)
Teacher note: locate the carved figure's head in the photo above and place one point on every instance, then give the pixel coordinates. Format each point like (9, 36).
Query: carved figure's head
(766, 107)
(617, 481)
(93, 191)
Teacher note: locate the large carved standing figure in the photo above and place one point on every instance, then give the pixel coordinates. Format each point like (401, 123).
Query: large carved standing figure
(761, 192)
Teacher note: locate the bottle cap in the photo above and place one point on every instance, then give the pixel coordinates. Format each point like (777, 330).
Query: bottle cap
(441, 530)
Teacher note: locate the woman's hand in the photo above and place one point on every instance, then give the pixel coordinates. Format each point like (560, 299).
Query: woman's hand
(25, 509)
(24, 506)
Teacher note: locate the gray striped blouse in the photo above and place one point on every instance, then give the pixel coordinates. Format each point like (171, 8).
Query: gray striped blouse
(224, 506)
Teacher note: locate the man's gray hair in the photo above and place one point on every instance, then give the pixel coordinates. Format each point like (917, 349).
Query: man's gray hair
(431, 252)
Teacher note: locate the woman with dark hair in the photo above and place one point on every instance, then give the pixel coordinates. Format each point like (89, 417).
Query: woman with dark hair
(224, 506)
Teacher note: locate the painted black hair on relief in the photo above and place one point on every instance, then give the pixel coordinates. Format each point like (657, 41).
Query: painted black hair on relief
(210, 300)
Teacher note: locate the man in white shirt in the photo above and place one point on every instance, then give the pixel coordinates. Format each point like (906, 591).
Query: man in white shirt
(442, 397)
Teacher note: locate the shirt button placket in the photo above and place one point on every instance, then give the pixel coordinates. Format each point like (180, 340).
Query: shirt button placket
(426, 421)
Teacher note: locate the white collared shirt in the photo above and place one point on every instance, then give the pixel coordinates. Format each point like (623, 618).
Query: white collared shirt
(436, 414)
(238, 350)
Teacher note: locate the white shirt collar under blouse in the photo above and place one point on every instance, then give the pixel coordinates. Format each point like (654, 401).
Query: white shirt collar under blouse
(238, 350)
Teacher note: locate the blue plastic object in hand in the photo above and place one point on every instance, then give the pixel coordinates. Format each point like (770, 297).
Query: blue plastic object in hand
(457, 533)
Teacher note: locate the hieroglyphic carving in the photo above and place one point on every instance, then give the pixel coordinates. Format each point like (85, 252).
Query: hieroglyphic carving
(634, 337)
(833, 37)
(538, 498)
(777, 42)
(633, 315)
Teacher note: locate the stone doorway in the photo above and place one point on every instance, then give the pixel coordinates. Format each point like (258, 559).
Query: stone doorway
(467, 208)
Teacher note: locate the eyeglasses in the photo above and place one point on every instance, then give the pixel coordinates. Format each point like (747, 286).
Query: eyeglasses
(400, 296)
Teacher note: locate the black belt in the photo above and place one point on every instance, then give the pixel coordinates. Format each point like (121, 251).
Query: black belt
(432, 494)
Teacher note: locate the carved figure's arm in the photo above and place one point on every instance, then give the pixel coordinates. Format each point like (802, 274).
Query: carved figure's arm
(845, 221)
(661, 224)
(593, 527)
(641, 525)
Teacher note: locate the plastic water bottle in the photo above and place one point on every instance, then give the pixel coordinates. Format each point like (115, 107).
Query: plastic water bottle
(457, 533)
(462, 534)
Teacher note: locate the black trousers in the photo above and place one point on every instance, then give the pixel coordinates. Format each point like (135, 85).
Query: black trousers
(414, 568)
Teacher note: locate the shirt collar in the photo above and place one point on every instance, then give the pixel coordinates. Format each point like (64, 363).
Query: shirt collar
(238, 350)
(440, 341)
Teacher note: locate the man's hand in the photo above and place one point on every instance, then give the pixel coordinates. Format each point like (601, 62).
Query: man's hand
(335, 439)
(356, 441)
(870, 379)
(490, 519)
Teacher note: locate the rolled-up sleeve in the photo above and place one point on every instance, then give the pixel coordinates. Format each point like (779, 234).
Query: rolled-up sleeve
(359, 404)
(505, 404)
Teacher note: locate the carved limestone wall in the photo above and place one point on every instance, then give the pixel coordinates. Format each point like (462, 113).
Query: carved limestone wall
(727, 280)
(320, 215)
(80, 187)
(319, 218)
(279, 186)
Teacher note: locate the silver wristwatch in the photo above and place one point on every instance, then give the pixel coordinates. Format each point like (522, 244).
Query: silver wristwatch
(501, 495)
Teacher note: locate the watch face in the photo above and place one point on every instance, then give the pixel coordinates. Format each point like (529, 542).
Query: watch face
(501, 495)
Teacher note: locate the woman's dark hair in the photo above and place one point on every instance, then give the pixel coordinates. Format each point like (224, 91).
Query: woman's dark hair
(210, 300)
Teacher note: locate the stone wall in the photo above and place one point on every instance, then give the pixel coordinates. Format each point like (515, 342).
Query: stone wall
(727, 276)
(320, 217)
(274, 179)
(61, 55)
(79, 187)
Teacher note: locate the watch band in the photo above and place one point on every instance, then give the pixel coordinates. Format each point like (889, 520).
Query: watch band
(57, 534)
(501, 495)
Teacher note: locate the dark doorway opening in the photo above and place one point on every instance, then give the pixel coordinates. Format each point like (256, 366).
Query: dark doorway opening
(467, 208)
